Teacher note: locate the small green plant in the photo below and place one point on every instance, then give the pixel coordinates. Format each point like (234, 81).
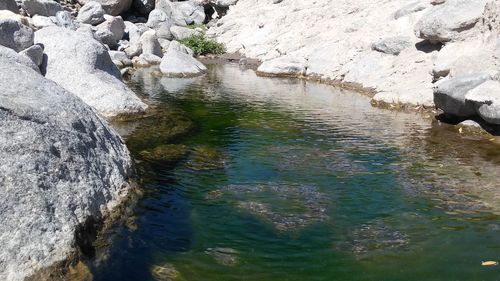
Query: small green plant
(203, 46)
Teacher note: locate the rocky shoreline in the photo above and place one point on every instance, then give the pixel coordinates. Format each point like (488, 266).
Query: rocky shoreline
(67, 174)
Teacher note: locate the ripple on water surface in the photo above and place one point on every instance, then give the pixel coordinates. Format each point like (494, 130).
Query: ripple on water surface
(293, 180)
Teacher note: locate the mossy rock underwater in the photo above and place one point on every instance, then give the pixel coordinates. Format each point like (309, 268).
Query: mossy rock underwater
(205, 157)
(164, 154)
(165, 125)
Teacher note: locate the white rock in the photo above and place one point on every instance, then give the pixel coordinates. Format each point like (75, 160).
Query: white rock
(176, 46)
(42, 21)
(150, 44)
(91, 13)
(6, 14)
(93, 76)
(283, 66)
(15, 35)
(62, 166)
(450, 21)
(120, 59)
(111, 30)
(41, 7)
(64, 20)
(112, 7)
(178, 64)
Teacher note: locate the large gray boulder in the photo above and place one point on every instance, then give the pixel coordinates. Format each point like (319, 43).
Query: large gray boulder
(82, 65)
(62, 167)
(188, 11)
(91, 13)
(112, 7)
(161, 23)
(450, 21)
(9, 5)
(15, 35)
(45, 8)
(392, 45)
(449, 95)
(486, 98)
(35, 54)
(178, 64)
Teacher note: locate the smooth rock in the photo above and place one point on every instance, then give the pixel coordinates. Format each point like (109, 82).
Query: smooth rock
(62, 167)
(45, 8)
(111, 31)
(15, 35)
(181, 33)
(6, 14)
(283, 66)
(35, 53)
(450, 21)
(486, 98)
(411, 8)
(176, 46)
(150, 44)
(10, 5)
(449, 95)
(392, 45)
(13, 57)
(120, 59)
(41, 21)
(83, 66)
(91, 13)
(178, 64)
(112, 7)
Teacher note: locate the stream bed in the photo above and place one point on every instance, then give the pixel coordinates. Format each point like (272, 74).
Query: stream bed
(281, 179)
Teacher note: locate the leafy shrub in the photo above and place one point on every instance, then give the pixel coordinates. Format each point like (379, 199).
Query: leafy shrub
(203, 46)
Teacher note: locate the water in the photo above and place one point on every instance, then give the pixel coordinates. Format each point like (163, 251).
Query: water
(309, 183)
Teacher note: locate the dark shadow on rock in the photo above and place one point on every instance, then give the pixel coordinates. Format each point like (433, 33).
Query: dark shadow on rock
(454, 120)
(427, 47)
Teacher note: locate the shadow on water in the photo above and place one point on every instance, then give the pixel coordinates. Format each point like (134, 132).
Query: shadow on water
(279, 179)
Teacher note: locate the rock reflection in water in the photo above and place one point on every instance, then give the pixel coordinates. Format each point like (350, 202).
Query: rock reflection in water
(291, 206)
(223, 256)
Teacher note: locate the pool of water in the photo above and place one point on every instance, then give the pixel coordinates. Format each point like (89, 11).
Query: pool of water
(307, 182)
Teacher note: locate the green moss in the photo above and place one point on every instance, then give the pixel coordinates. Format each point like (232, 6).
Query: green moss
(203, 46)
(166, 154)
(205, 157)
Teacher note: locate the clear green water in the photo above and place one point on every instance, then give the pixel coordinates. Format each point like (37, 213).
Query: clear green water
(315, 185)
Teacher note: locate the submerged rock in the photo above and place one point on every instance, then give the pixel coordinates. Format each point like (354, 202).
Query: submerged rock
(82, 65)
(373, 237)
(206, 158)
(298, 207)
(62, 168)
(224, 256)
(164, 154)
(166, 272)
